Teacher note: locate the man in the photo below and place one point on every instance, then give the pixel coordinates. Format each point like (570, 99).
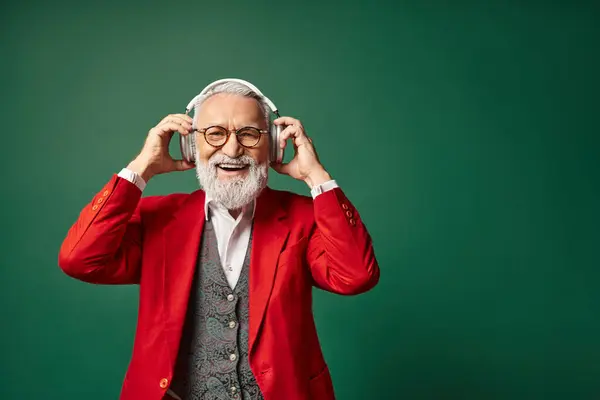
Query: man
(225, 273)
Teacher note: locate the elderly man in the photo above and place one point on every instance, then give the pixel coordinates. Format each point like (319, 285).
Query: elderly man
(226, 272)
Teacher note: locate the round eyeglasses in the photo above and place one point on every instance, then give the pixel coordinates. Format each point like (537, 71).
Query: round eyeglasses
(247, 136)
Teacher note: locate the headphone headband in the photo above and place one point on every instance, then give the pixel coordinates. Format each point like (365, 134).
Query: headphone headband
(188, 142)
(250, 86)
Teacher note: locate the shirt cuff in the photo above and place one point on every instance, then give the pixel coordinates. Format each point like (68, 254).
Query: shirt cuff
(324, 187)
(133, 177)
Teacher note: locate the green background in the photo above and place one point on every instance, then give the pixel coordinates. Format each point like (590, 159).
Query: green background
(465, 133)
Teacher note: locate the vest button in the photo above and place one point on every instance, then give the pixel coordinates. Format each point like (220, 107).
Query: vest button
(164, 382)
(232, 324)
(230, 297)
(232, 357)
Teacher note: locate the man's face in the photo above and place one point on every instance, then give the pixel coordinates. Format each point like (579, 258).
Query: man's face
(231, 112)
(232, 174)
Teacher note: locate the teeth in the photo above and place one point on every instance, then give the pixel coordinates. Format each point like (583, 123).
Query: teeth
(231, 166)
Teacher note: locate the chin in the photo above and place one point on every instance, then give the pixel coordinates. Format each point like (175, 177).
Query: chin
(231, 185)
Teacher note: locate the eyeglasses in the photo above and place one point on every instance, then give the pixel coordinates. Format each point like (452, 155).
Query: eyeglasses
(247, 136)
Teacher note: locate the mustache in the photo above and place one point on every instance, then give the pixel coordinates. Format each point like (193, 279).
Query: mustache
(225, 159)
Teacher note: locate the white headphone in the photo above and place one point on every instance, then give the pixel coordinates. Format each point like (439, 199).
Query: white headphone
(188, 142)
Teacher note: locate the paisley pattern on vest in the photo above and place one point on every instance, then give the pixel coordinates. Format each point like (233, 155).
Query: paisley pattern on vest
(212, 363)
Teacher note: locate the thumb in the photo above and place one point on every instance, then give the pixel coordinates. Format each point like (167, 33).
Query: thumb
(182, 165)
(281, 168)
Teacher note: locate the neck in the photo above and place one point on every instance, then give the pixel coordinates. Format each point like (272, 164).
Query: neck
(235, 213)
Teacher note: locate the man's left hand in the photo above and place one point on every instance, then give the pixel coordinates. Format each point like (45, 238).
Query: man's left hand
(305, 165)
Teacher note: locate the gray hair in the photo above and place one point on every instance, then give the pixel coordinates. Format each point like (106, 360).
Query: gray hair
(238, 89)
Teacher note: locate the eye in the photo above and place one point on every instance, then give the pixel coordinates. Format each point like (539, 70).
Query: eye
(216, 133)
(247, 135)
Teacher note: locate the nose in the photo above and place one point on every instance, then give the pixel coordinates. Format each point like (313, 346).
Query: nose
(232, 148)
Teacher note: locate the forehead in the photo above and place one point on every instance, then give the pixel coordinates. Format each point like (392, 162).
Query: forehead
(224, 107)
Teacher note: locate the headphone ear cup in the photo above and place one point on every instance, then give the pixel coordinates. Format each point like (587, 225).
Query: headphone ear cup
(192, 141)
(187, 144)
(276, 151)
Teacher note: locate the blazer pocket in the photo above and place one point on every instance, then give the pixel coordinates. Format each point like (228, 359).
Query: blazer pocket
(321, 386)
(294, 253)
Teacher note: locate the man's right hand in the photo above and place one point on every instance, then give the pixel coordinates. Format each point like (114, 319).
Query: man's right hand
(154, 159)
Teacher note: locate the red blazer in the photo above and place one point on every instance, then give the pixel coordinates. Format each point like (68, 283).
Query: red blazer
(298, 243)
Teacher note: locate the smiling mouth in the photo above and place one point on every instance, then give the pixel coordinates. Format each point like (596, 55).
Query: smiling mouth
(232, 167)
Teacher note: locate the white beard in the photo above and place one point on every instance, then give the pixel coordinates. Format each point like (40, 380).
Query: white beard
(235, 192)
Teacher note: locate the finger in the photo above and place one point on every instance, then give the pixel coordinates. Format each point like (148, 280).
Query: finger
(167, 128)
(287, 121)
(285, 134)
(295, 132)
(182, 127)
(178, 117)
(182, 165)
(181, 121)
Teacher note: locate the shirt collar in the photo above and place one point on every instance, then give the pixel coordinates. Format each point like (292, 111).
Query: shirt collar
(211, 204)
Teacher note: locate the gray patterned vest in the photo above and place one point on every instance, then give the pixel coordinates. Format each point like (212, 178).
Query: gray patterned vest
(212, 363)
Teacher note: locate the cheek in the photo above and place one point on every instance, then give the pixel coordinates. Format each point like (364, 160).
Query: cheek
(205, 151)
(260, 153)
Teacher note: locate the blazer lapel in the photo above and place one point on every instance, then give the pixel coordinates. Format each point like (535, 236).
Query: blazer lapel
(268, 237)
(181, 241)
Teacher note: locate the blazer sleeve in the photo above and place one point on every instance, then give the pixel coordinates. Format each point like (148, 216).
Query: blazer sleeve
(104, 245)
(340, 251)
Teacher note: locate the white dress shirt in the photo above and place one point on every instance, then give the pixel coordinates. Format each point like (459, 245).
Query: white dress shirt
(233, 234)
